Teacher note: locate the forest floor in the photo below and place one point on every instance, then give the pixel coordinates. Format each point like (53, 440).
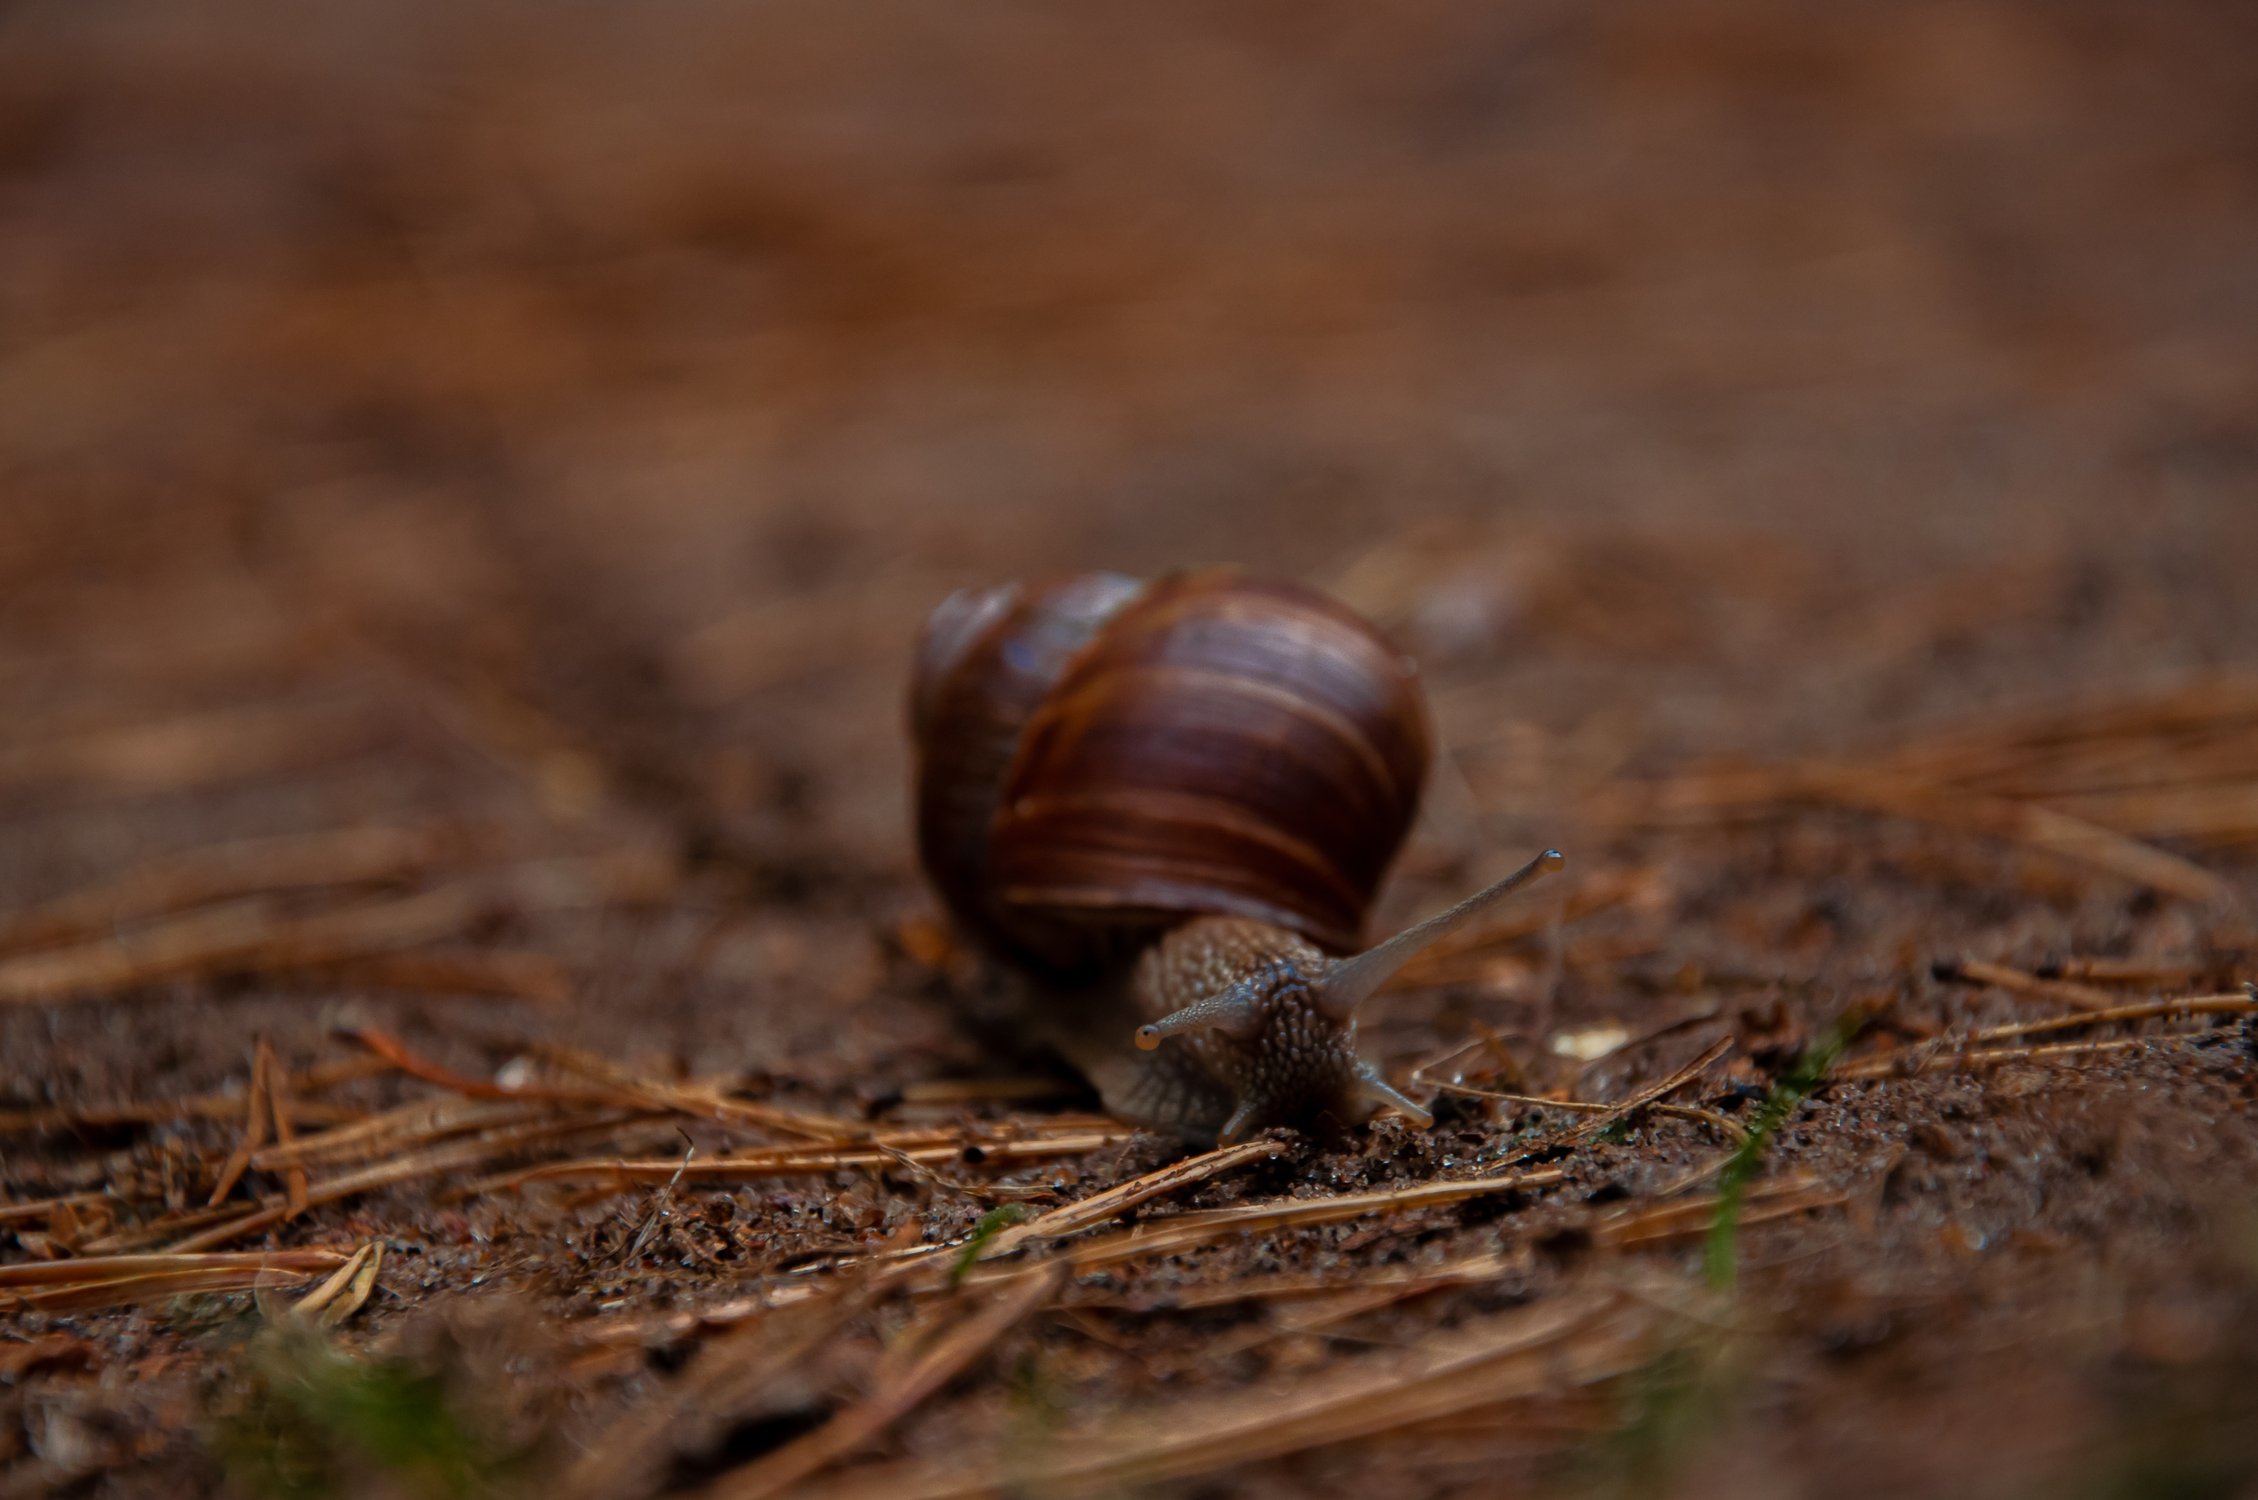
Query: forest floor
(469, 1018)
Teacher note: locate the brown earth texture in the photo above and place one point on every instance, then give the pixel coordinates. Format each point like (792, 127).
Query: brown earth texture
(471, 1022)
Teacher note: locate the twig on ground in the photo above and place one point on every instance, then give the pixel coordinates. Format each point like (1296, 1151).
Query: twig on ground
(398, 1054)
(725, 1378)
(479, 1150)
(1485, 1267)
(1901, 1065)
(2124, 971)
(1705, 794)
(705, 1101)
(1099, 1207)
(89, 1283)
(285, 1132)
(225, 872)
(198, 1106)
(255, 937)
(257, 1113)
(2191, 1005)
(662, 1204)
(1564, 1344)
(796, 1161)
(2016, 982)
(347, 1288)
(40, 1208)
(1694, 1217)
(1605, 1115)
(942, 1348)
(1172, 1236)
(419, 1122)
(91, 1268)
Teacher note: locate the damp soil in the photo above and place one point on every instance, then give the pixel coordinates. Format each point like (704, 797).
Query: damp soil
(534, 440)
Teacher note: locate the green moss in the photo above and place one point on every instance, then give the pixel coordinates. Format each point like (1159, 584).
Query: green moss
(1721, 1255)
(992, 1223)
(310, 1420)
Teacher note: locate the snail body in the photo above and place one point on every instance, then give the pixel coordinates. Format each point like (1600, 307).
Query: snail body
(1168, 806)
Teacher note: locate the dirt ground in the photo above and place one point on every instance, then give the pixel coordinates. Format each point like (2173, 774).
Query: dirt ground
(470, 476)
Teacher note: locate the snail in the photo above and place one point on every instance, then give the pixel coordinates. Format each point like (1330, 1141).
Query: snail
(1167, 806)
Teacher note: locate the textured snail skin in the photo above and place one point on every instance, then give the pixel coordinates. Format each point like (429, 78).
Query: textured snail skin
(1233, 1033)
(1290, 1063)
(1149, 797)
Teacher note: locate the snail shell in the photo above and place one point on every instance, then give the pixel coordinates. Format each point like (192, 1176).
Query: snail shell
(1101, 758)
(1172, 802)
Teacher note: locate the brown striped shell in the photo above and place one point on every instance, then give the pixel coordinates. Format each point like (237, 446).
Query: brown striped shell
(1099, 759)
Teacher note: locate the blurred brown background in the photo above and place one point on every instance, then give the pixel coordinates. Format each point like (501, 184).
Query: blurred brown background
(752, 330)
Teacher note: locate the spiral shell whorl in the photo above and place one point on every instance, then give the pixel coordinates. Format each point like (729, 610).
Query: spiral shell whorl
(985, 661)
(1100, 757)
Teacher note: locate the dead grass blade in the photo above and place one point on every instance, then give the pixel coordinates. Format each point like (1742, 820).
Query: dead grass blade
(704, 1101)
(1914, 1062)
(1099, 1207)
(40, 1208)
(1183, 1232)
(309, 1306)
(941, 1354)
(346, 1290)
(1693, 1218)
(1604, 1115)
(156, 1286)
(1562, 1345)
(1487, 1266)
(1702, 795)
(285, 1133)
(400, 1056)
(726, 1378)
(2029, 824)
(257, 1112)
(2125, 971)
(255, 937)
(797, 1161)
(1920, 1058)
(480, 1150)
(197, 1106)
(1722, 1124)
(2006, 744)
(226, 872)
(2191, 1005)
(93, 1268)
(616, 1088)
(420, 1122)
(251, 937)
(93, 1282)
(138, 1238)
(2016, 982)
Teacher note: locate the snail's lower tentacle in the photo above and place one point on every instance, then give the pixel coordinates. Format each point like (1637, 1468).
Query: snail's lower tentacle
(1378, 1090)
(1243, 1120)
